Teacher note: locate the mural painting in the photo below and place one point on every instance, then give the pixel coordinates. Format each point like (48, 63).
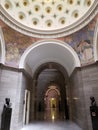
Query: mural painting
(81, 41)
(85, 51)
(16, 43)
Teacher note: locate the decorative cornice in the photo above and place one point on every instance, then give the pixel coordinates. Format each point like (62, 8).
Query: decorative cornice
(90, 65)
(93, 11)
(2, 66)
(77, 69)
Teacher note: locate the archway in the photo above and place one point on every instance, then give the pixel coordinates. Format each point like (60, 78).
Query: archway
(48, 75)
(52, 100)
(49, 51)
(43, 52)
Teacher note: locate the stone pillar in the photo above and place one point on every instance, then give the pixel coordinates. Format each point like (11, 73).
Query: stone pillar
(33, 101)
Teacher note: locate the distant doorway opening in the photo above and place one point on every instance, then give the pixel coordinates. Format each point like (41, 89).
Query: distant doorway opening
(52, 103)
(50, 78)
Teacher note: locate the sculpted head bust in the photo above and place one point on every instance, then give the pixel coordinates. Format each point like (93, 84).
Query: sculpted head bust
(7, 103)
(93, 102)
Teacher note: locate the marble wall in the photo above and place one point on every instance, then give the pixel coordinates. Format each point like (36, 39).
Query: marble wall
(8, 87)
(12, 85)
(83, 85)
(77, 101)
(90, 86)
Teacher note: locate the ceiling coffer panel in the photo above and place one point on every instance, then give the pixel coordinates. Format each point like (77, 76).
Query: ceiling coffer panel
(47, 17)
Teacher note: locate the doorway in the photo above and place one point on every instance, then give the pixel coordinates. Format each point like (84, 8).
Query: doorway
(53, 102)
(50, 91)
(52, 99)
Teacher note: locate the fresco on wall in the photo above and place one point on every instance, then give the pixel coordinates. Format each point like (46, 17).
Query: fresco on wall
(85, 51)
(16, 44)
(81, 41)
(12, 54)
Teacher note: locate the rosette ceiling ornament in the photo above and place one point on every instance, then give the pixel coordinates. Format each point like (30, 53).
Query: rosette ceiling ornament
(48, 18)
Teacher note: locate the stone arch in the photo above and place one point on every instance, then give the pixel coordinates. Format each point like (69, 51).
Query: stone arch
(49, 51)
(50, 65)
(54, 88)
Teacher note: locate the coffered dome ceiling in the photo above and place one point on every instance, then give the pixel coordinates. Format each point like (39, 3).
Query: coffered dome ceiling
(47, 17)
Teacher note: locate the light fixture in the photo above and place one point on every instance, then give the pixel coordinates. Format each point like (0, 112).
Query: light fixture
(52, 99)
(53, 117)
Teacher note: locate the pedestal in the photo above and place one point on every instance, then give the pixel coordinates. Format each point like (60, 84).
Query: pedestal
(94, 117)
(6, 118)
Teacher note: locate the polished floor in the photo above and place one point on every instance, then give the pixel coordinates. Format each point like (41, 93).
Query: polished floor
(51, 119)
(54, 125)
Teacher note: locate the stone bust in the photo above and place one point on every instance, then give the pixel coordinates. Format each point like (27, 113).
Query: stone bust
(93, 102)
(7, 103)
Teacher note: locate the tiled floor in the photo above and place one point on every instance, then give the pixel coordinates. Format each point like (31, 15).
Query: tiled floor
(56, 125)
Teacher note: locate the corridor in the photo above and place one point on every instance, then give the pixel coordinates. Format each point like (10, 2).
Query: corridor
(54, 125)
